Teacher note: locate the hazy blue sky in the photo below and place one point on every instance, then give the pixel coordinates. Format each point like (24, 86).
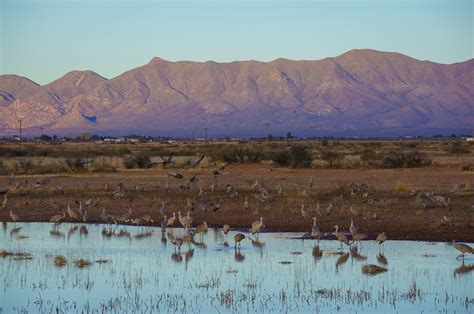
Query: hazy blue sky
(43, 40)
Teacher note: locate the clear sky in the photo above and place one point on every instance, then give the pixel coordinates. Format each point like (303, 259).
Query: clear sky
(43, 40)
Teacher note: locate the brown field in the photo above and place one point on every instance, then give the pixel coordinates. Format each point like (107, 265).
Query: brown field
(389, 198)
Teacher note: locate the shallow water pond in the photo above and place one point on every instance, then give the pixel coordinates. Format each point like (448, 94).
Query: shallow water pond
(276, 274)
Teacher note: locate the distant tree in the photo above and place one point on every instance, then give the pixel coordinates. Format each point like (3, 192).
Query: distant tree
(289, 136)
(45, 138)
(85, 137)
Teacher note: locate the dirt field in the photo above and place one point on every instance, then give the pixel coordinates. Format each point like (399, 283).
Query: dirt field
(388, 206)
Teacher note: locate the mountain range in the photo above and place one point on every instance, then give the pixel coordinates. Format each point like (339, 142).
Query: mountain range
(361, 92)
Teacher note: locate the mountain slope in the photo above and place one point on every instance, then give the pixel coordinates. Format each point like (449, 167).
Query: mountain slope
(361, 91)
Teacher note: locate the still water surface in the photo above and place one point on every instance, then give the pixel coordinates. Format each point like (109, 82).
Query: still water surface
(279, 274)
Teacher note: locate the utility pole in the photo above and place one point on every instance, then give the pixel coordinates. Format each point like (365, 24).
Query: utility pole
(267, 126)
(20, 132)
(41, 128)
(205, 136)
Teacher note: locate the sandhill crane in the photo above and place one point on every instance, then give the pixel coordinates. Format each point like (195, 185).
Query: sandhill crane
(137, 221)
(107, 218)
(14, 217)
(188, 237)
(353, 211)
(163, 224)
(175, 174)
(81, 210)
(340, 236)
(190, 219)
(279, 190)
(163, 209)
(463, 248)
(357, 237)
(171, 220)
(257, 227)
(72, 214)
(123, 218)
(83, 230)
(254, 185)
(177, 242)
(190, 205)
(85, 216)
(214, 185)
(352, 228)
(317, 253)
(315, 232)
(246, 203)
(310, 182)
(56, 219)
(201, 229)
(219, 171)
(225, 230)
(166, 160)
(4, 204)
(381, 238)
(183, 221)
(216, 207)
(201, 192)
(355, 253)
(205, 206)
(323, 211)
(195, 163)
(304, 213)
(341, 260)
(238, 238)
(382, 259)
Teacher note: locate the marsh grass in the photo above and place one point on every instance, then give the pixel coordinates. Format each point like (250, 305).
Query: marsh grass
(60, 261)
(82, 263)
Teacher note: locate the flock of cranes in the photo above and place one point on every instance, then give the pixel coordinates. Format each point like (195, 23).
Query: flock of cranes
(186, 221)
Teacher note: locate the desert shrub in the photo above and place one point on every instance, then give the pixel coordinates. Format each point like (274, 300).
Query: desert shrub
(404, 160)
(143, 161)
(368, 156)
(136, 160)
(224, 154)
(102, 165)
(467, 168)
(333, 158)
(295, 157)
(22, 166)
(457, 148)
(75, 164)
(300, 157)
(281, 157)
(129, 161)
(2, 167)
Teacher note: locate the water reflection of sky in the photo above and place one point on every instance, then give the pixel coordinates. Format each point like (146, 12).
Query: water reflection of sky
(143, 275)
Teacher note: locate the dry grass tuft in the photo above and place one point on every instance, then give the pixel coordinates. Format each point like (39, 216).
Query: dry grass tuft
(60, 261)
(82, 263)
(401, 187)
(371, 269)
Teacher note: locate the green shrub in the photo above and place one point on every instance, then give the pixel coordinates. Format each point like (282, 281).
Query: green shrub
(369, 156)
(75, 164)
(404, 160)
(457, 148)
(136, 161)
(333, 158)
(281, 157)
(295, 157)
(102, 165)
